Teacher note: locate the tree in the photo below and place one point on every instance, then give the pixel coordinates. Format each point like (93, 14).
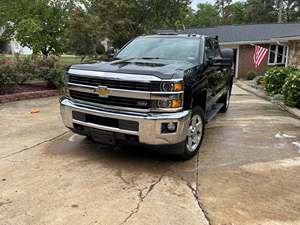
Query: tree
(37, 24)
(82, 35)
(206, 15)
(222, 6)
(236, 13)
(288, 10)
(260, 11)
(122, 20)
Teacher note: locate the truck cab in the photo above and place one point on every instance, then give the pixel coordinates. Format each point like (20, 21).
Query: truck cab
(158, 90)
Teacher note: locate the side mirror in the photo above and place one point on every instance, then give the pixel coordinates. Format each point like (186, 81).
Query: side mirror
(227, 56)
(222, 62)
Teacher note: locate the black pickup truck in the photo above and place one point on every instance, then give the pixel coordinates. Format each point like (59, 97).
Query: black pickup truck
(158, 90)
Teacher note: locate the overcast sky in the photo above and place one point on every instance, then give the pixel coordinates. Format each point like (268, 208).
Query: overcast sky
(196, 2)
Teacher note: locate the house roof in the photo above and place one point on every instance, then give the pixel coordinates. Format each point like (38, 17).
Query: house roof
(242, 34)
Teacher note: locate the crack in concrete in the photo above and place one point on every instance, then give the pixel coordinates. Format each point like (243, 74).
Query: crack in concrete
(195, 191)
(33, 146)
(119, 174)
(141, 199)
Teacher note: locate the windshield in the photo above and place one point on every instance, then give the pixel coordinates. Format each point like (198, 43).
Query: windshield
(182, 49)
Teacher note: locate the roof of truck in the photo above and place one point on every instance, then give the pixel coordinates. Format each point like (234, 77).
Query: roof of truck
(175, 35)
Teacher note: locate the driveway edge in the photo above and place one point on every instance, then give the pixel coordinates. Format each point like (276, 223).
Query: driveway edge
(28, 95)
(295, 112)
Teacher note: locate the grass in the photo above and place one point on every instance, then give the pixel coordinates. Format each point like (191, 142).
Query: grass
(69, 59)
(63, 60)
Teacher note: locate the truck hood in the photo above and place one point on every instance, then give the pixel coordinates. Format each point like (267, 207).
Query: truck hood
(164, 69)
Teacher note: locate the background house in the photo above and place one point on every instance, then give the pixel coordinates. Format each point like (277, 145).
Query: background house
(282, 40)
(12, 46)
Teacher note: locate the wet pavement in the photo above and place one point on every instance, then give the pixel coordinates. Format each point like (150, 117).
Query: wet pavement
(247, 172)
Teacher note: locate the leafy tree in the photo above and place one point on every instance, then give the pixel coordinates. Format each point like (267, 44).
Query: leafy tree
(81, 34)
(222, 6)
(128, 19)
(290, 10)
(260, 11)
(37, 24)
(206, 15)
(236, 13)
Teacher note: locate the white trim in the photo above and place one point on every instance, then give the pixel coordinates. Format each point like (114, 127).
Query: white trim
(237, 62)
(287, 56)
(291, 38)
(285, 47)
(246, 42)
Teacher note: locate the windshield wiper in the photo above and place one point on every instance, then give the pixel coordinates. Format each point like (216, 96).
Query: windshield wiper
(151, 58)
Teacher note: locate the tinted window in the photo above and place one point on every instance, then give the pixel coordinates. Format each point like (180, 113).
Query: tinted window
(186, 49)
(211, 49)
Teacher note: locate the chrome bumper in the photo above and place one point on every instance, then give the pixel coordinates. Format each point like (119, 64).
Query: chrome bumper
(149, 131)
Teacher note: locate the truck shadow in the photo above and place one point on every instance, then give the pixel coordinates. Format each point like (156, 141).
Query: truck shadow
(83, 152)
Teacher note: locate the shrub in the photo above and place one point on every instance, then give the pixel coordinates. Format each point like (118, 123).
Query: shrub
(50, 62)
(100, 49)
(9, 79)
(275, 79)
(261, 81)
(2, 60)
(53, 76)
(251, 75)
(291, 90)
(26, 69)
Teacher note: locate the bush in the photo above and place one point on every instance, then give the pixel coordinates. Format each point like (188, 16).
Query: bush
(100, 49)
(251, 75)
(50, 62)
(9, 79)
(275, 79)
(53, 76)
(261, 81)
(291, 90)
(26, 69)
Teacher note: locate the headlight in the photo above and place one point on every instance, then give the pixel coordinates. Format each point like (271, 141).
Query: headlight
(171, 104)
(168, 86)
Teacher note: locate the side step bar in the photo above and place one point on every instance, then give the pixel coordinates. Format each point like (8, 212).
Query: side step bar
(210, 114)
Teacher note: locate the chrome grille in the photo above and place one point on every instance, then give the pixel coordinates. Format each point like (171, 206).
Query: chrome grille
(94, 81)
(111, 100)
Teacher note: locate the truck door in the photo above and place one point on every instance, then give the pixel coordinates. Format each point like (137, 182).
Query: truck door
(216, 75)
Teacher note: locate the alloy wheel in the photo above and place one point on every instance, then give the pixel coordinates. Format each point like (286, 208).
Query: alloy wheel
(194, 135)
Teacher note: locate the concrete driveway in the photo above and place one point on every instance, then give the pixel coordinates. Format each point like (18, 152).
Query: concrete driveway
(248, 172)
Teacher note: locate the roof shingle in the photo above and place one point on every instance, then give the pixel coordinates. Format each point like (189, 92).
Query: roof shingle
(251, 32)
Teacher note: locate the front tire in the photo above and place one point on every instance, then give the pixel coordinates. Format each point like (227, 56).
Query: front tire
(195, 133)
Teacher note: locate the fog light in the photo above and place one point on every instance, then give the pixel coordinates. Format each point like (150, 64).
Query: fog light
(171, 127)
(168, 128)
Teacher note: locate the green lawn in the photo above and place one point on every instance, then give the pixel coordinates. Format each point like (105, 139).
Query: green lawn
(63, 60)
(69, 59)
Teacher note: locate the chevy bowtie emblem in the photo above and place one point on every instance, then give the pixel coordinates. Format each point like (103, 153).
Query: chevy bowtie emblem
(102, 91)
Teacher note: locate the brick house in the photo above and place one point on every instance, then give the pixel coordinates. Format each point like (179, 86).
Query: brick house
(282, 40)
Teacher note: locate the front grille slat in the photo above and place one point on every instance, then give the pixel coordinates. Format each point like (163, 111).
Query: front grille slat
(111, 100)
(92, 81)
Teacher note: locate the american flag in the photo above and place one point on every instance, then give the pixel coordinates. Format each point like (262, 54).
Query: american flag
(259, 55)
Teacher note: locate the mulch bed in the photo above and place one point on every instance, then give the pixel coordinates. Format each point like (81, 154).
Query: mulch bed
(26, 91)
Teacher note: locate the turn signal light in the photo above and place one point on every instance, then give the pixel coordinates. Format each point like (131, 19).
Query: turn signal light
(176, 103)
(178, 86)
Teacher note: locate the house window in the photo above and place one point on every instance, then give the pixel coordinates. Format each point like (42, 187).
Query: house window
(277, 55)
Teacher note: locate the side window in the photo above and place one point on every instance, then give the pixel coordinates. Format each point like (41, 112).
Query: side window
(211, 49)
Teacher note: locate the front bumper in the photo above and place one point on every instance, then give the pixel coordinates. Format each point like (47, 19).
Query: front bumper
(149, 125)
